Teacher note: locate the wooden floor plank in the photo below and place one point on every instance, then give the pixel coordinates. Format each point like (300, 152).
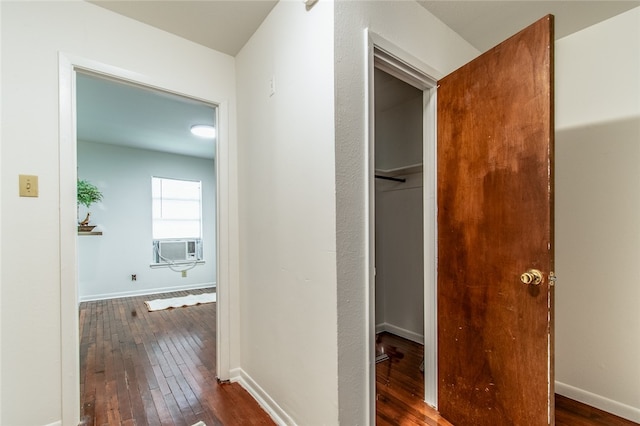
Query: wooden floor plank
(155, 368)
(574, 413)
(162, 409)
(400, 392)
(158, 368)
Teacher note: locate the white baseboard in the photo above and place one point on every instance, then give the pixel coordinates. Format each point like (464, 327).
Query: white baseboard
(605, 404)
(407, 334)
(58, 423)
(144, 292)
(238, 375)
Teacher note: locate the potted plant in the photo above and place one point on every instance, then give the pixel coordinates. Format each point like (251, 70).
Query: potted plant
(88, 194)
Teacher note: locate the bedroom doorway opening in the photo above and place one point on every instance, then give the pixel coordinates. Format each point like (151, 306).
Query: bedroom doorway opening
(123, 220)
(148, 244)
(154, 229)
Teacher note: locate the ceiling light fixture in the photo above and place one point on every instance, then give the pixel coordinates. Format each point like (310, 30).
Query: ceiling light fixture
(204, 131)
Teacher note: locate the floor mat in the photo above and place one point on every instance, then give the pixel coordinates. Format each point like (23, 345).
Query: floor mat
(178, 302)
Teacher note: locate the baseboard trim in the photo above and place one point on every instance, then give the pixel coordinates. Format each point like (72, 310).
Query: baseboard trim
(407, 334)
(58, 423)
(605, 404)
(238, 375)
(144, 292)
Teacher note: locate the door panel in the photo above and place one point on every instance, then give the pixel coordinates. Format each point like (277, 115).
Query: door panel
(495, 222)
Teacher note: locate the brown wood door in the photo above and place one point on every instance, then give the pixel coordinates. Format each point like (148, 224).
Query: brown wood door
(495, 222)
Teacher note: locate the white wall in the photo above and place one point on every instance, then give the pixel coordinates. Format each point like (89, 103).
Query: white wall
(106, 262)
(400, 257)
(399, 242)
(288, 194)
(33, 33)
(1, 138)
(399, 134)
(287, 212)
(598, 215)
(417, 32)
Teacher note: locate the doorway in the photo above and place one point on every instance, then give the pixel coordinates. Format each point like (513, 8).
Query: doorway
(158, 185)
(399, 243)
(491, 195)
(150, 237)
(402, 211)
(70, 67)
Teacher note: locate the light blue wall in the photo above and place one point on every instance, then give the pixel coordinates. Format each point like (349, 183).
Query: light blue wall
(107, 262)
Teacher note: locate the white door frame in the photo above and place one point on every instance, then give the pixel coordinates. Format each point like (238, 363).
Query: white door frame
(388, 57)
(70, 340)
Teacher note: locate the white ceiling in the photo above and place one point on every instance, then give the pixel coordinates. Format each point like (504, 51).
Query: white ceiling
(222, 25)
(484, 24)
(227, 25)
(123, 114)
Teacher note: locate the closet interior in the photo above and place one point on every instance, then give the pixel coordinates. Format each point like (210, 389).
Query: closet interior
(399, 225)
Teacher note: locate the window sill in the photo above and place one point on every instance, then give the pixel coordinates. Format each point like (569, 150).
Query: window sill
(177, 264)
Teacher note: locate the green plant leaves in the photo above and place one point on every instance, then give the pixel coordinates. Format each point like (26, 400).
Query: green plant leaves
(88, 193)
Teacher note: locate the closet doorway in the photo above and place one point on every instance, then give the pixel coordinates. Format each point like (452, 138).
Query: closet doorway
(398, 208)
(403, 233)
(399, 234)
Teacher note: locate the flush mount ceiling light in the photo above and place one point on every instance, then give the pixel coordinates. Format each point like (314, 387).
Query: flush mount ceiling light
(204, 131)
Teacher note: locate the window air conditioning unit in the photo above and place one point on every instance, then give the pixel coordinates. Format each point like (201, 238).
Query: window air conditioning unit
(177, 251)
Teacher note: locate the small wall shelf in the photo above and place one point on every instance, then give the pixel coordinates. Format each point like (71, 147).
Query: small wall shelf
(90, 233)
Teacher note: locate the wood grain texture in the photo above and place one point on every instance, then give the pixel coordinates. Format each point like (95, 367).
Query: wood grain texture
(150, 372)
(495, 144)
(400, 385)
(574, 413)
(156, 368)
(400, 393)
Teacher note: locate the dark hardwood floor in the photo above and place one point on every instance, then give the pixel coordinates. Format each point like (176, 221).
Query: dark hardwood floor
(156, 368)
(400, 385)
(574, 413)
(400, 393)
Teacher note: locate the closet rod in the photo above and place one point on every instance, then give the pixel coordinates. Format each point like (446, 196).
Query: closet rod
(390, 178)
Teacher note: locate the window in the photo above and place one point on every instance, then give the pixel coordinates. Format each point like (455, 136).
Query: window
(177, 220)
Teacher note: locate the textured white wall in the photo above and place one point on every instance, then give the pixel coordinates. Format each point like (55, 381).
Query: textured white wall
(33, 34)
(400, 257)
(106, 262)
(598, 215)
(287, 211)
(420, 34)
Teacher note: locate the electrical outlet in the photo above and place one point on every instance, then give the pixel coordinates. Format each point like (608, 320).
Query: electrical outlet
(184, 274)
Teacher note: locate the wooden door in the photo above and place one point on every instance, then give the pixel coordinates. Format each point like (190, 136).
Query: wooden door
(495, 222)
